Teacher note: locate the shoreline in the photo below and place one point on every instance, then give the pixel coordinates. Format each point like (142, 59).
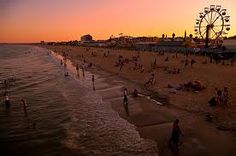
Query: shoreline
(150, 118)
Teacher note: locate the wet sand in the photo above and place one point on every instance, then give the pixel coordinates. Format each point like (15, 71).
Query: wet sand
(154, 121)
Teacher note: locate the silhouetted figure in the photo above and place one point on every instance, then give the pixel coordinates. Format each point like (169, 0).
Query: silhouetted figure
(186, 63)
(151, 80)
(6, 84)
(211, 58)
(65, 65)
(212, 102)
(93, 82)
(155, 62)
(232, 62)
(24, 106)
(66, 74)
(125, 102)
(225, 96)
(121, 65)
(77, 69)
(135, 93)
(7, 101)
(219, 98)
(174, 139)
(192, 62)
(90, 65)
(167, 59)
(83, 70)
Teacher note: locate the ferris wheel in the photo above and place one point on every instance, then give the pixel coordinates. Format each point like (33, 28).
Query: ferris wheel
(213, 23)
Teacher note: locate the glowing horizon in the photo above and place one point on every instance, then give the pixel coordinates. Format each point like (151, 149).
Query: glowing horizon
(63, 20)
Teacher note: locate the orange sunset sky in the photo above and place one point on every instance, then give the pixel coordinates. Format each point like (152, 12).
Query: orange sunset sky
(57, 20)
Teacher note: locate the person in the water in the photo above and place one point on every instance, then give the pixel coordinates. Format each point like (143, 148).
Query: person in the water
(24, 106)
(7, 101)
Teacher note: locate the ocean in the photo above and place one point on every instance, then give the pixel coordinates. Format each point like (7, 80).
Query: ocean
(64, 117)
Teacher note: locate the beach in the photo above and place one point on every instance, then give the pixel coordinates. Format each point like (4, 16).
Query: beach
(207, 130)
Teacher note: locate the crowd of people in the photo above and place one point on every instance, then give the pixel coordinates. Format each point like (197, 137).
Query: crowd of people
(8, 102)
(135, 64)
(221, 97)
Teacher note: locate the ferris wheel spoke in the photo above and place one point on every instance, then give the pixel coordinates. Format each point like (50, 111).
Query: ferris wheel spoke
(213, 36)
(203, 34)
(211, 17)
(215, 13)
(215, 33)
(218, 22)
(218, 25)
(216, 29)
(206, 16)
(203, 30)
(216, 19)
(206, 20)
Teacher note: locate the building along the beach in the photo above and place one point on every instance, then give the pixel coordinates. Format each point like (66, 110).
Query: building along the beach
(86, 38)
(157, 46)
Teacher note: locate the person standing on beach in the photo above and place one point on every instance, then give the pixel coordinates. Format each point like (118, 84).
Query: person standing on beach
(83, 70)
(192, 62)
(125, 101)
(77, 69)
(65, 63)
(121, 65)
(174, 139)
(93, 82)
(225, 96)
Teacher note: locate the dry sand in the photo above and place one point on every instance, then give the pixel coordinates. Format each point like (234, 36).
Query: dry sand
(154, 121)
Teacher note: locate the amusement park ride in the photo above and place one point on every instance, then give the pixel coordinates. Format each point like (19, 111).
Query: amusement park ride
(212, 25)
